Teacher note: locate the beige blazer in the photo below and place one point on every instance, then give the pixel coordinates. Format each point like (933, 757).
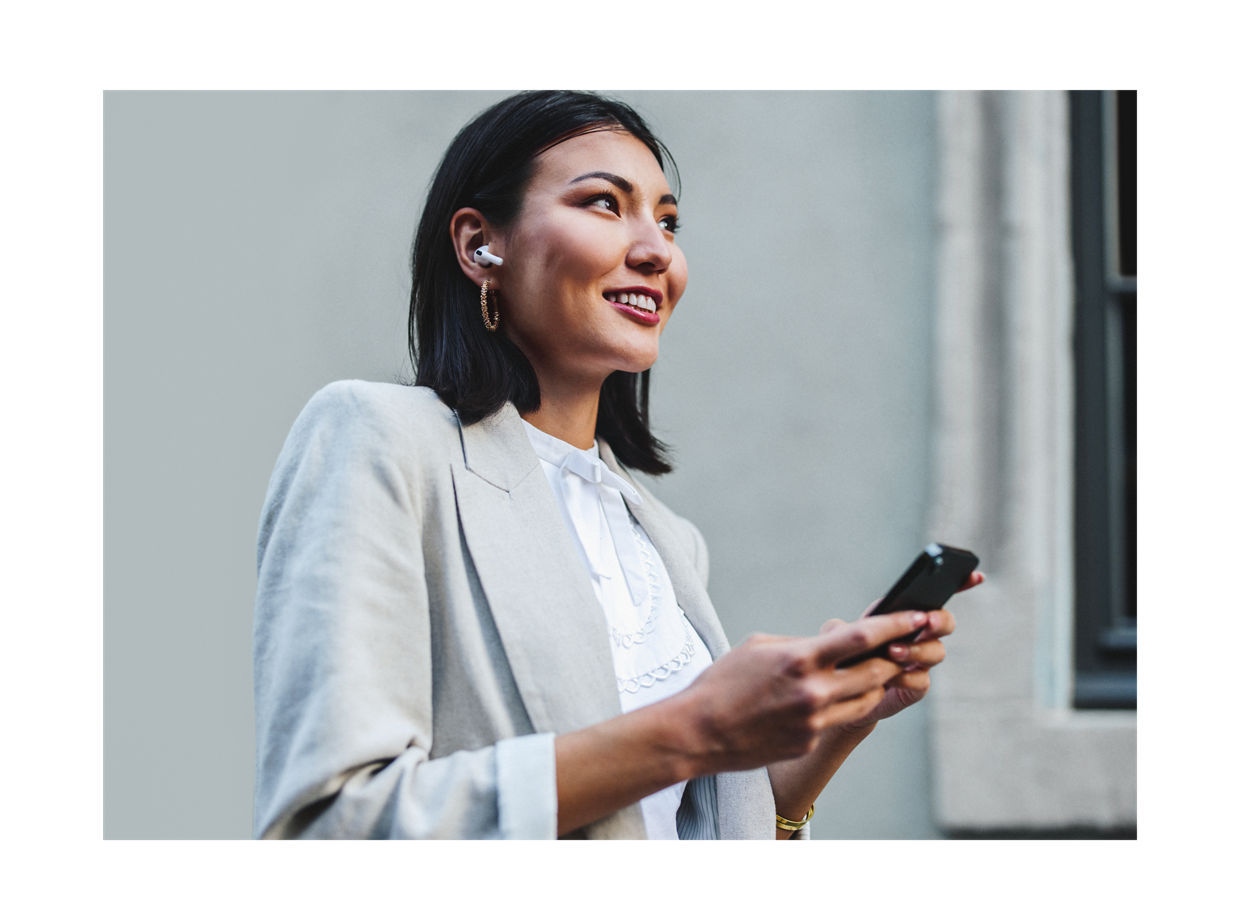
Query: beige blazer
(424, 627)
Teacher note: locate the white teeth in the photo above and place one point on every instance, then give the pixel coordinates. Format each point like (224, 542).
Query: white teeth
(641, 301)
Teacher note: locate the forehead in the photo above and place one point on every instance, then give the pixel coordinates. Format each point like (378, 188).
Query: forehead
(616, 152)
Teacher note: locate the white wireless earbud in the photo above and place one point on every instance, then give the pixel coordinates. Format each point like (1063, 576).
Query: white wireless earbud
(485, 257)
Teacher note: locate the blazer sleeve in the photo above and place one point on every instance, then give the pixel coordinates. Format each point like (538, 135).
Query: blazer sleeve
(342, 655)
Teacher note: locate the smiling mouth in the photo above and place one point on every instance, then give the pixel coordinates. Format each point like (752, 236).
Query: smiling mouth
(637, 301)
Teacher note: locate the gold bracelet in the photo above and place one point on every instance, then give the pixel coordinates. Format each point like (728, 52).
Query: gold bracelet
(793, 825)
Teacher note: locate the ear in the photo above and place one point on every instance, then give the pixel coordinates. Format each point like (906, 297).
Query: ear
(470, 230)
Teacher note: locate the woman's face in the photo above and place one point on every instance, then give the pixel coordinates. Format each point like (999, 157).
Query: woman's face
(591, 269)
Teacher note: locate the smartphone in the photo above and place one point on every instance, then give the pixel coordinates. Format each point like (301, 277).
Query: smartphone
(938, 572)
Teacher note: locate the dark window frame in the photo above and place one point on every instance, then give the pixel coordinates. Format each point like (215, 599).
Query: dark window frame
(1103, 140)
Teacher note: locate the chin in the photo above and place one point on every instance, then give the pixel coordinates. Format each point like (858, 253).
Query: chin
(638, 362)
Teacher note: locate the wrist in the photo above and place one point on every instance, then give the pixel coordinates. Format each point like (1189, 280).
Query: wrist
(689, 736)
(677, 736)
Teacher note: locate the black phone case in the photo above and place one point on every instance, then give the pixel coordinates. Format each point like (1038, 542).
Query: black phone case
(938, 572)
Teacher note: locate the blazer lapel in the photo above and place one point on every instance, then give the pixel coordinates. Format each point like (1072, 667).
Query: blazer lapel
(550, 623)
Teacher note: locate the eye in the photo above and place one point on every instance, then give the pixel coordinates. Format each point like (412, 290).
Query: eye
(670, 224)
(604, 201)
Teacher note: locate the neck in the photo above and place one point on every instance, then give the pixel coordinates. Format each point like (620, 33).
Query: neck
(570, 416)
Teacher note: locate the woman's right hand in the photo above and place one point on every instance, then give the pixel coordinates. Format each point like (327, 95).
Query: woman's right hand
(772, 697)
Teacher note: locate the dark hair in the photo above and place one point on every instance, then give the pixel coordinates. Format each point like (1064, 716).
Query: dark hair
(488, 166)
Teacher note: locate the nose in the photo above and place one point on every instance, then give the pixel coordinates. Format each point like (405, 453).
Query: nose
(650, 250)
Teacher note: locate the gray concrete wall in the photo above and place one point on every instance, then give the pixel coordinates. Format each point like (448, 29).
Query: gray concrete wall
(256, 248)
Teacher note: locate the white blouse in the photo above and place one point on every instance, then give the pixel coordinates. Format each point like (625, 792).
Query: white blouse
(655, 650)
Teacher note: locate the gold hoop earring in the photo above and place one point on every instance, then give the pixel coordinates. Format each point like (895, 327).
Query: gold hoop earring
(487, 322)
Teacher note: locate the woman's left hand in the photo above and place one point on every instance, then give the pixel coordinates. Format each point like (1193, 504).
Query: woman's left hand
(918, 658)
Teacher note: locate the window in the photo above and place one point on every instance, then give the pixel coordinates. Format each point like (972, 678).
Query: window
(1104, 214)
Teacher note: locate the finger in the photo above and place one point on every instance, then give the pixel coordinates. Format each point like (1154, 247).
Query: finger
(941, 624)
(829, 687)
(830, 625)
(899, 653)
(860, 679)
(916, 681)
(922, 654)
(848, 710)
(865, 634)
(974, 580)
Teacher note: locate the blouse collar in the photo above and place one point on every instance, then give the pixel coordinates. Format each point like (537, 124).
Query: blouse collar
(586, 464)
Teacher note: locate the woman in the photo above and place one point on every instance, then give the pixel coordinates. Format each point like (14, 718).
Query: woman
(470, 621)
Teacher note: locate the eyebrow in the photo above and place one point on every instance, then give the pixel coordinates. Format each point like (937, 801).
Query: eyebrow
(623, 183)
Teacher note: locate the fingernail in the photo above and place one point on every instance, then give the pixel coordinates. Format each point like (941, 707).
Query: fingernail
(919, 618)
(898, 651)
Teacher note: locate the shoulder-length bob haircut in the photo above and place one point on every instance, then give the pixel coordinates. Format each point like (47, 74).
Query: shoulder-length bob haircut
(488, 167)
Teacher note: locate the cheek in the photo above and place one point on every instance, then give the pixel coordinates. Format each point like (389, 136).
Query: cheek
(678, 277)
(577, 252)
